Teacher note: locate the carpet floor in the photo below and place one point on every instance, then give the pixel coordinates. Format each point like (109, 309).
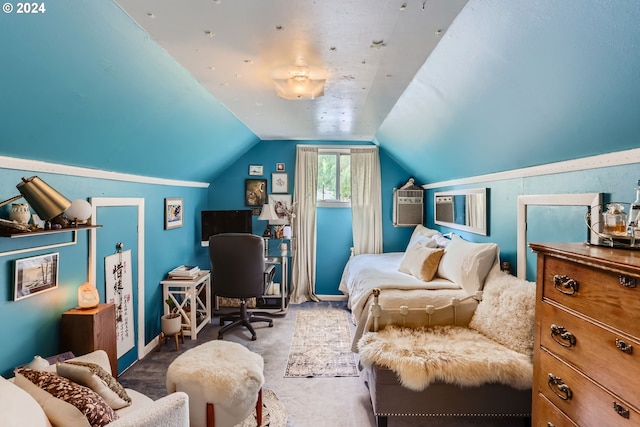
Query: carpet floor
(309, 402)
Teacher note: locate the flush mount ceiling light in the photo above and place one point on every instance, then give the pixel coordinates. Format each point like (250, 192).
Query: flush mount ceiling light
(299, 82)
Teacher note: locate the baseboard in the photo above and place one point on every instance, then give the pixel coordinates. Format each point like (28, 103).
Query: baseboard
(332, 297)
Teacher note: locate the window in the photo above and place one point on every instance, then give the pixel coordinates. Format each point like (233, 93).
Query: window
(334, 177)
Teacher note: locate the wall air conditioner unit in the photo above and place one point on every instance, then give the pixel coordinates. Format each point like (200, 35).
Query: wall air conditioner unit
(408, 207)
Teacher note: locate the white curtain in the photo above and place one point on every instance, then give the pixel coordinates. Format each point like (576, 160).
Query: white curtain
(366, 200)
(304, 225)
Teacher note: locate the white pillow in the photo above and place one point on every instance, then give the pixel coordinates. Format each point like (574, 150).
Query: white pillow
(467, 263)
(421, 234)
(18, 408)
(421, 240)
(506, 313)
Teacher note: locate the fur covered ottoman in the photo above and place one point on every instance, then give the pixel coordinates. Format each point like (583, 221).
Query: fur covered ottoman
(222, 373)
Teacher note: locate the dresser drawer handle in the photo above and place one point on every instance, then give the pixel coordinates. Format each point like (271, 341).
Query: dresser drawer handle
(621, 410)
(623, 346)
(562, 336)
(567, 283)
(550, 424)
(559, 388)
(627, 282)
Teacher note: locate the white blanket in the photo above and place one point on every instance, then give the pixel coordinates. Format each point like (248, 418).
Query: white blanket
(368, 271)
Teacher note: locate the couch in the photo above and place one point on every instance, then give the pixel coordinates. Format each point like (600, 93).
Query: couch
(23, 403)
(481, 369)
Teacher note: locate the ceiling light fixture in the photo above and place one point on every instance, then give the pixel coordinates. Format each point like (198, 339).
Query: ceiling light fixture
(299, 82)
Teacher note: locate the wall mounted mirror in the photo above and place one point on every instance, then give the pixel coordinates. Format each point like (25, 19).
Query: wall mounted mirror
(462, 209)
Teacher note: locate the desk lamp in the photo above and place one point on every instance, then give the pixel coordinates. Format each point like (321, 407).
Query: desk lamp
(45, 201)
(267, 214)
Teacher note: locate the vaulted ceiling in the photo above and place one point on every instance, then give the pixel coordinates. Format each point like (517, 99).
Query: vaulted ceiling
(368, 50)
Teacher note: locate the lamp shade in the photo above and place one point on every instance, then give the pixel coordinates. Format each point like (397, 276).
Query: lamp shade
(80, 210)
(267, 213)
(42, 198)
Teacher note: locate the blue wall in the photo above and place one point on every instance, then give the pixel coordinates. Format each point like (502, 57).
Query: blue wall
(334, 236)
(31, 325)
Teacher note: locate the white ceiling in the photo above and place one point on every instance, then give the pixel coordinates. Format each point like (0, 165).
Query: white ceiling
(371, 50)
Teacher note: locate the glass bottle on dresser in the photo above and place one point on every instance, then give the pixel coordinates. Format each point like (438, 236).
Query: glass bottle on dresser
(633, 227)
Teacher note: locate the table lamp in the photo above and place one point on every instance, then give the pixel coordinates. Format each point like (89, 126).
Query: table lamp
(43, 199)
(267, 214)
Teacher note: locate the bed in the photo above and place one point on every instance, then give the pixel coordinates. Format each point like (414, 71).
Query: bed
(459, 269)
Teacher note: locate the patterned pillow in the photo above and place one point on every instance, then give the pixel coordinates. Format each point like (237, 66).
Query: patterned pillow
(97, 379)
(59, 397)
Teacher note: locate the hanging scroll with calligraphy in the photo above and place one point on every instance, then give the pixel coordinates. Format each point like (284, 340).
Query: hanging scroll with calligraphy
(119, 290)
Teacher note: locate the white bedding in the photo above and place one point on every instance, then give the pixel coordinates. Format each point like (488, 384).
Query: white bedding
(365, 272)
(368, 271)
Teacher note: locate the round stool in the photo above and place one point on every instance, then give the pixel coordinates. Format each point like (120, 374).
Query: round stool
(223, 380)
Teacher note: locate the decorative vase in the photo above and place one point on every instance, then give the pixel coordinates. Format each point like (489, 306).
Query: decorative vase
(171, 323)
(20, 213)
(38, 363)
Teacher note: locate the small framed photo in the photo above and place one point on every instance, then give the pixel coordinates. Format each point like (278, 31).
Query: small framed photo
(255, 192)
(279, 182)
(35, 275)
(256, 170)
(173, 213)
(280, 167)
(281, 206)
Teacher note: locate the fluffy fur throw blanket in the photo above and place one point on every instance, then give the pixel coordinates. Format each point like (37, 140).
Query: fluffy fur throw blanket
(450, 354)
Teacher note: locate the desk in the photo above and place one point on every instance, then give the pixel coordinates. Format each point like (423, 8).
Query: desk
(194, 294)
(264, 303)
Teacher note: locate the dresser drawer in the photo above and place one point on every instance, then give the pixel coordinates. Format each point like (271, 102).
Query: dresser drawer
(596, 351)
(582, 400)
(596, 293)
(547, 415)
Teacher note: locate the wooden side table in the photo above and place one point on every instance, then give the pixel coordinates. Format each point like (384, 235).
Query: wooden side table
(84, 331)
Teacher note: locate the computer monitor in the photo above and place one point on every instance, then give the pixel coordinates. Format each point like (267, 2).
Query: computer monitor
(225, 221)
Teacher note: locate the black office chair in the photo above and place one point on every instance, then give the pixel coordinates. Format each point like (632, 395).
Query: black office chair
(238, 271)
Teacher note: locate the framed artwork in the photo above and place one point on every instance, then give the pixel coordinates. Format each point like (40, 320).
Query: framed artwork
(281, 206)
(35, 275)
(256, 170)
(255, 192)
(279, 182)
(280, 167)
(173, 213)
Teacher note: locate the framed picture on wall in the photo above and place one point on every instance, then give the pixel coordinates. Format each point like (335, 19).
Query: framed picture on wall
(280, 167)
(173, 213)
(279, 182)
(281, 205)
(255, 170)
(255, 192)
(35, 275)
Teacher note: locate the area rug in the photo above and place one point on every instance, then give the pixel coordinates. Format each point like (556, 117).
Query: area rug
(273, 412)
(321, 346)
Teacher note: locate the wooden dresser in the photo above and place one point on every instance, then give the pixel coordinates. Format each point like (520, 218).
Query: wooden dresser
(587, 336)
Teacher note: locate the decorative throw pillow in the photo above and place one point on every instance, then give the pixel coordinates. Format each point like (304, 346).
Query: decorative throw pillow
(18, 408)
(421, 262)
(97, 379)
(467, 263)
(507, 311)
(65, 402)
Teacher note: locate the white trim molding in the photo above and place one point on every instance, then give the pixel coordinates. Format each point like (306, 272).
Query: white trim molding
(97, 202)
(618, 158)
(592, 200)
(45, 167)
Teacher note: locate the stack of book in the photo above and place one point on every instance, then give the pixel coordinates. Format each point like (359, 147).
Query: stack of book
(186, 272)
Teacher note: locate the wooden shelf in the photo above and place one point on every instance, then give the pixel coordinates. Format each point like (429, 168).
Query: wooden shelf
(41, 232)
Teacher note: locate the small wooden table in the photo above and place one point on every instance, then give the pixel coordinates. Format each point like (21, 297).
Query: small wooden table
(191, 294)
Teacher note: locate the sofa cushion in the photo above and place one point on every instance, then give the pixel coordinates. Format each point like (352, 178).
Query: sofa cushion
(507, 311)
(65, 402)
(421, 262)
(97, 379)
(467, 263)
(18, 408)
